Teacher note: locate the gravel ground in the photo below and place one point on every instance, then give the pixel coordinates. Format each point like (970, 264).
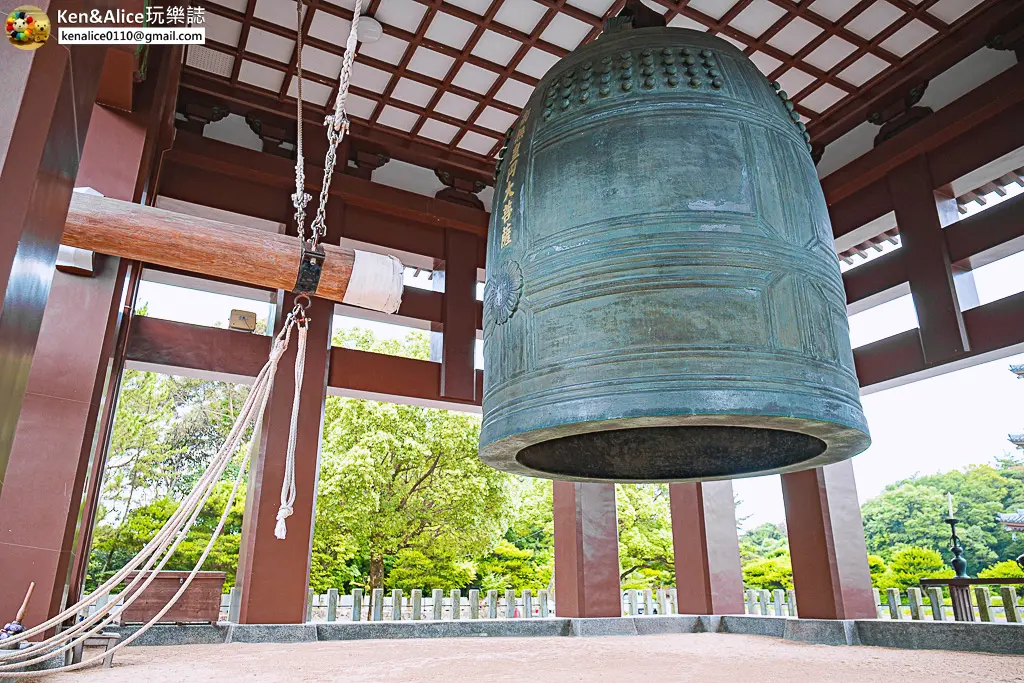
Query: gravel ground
(693, 657)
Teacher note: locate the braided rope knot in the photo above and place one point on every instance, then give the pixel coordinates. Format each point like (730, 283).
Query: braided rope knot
(283, 513)
(300, 199)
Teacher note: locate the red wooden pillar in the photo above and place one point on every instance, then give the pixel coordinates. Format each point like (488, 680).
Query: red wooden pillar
(921, 214)
(54, 440)
(826, 544)
(707, 554)
(122, 160)
(273, 574)
(72, 376)
(458, 375)
(586, 550)
(44, 117)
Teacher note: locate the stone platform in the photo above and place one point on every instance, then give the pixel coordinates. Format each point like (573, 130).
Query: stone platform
(913, 635)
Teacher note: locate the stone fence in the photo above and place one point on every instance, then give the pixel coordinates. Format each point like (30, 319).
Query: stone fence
(912, 605)
(918, 605)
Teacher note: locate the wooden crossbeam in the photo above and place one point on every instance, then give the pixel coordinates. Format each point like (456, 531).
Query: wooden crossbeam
(198, 245)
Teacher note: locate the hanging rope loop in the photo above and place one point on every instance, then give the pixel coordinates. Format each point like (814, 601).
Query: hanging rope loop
(300, 321)
(312, 255)
(149, 562)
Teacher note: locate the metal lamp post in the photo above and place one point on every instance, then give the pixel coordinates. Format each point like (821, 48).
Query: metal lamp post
(958, 562)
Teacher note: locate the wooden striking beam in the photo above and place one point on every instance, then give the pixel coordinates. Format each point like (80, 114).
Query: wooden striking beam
(198, 245)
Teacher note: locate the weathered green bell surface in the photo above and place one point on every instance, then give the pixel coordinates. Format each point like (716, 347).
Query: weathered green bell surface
(663, 299)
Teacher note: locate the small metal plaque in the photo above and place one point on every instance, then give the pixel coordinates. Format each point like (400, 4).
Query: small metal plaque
(242, 320)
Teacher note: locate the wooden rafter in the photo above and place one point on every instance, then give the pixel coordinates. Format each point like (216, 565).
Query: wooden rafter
(949, 43)
(307, 21)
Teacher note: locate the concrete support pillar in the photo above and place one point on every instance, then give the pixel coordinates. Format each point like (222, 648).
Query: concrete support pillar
(826, 541)
(417, 604)
(437, 600)
(273, 573)
(586, 550)
(707, 556)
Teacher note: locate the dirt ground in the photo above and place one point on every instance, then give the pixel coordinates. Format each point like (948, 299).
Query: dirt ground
(692, 657)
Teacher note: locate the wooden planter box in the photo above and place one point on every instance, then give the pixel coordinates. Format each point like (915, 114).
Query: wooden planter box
(199, 604)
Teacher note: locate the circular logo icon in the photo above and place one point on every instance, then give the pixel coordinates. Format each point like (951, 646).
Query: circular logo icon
(27, 27)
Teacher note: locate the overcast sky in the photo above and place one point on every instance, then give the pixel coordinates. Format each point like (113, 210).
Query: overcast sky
(928, 426)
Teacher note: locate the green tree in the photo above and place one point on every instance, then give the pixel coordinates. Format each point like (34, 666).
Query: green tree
(763, 542)
(526, 556)
(1007, 569)
(645, 535)
(910, 512)
(413, 568)
(878, 568)
(166, 430)
(510, 567)
(769, 574)
(909, 565)
(114, 546)
(396, 479)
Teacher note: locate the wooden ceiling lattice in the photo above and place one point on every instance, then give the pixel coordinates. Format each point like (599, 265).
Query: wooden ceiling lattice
(455, 74)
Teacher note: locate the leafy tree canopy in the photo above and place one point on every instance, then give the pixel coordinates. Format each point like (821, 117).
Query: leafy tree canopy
(645, 535)
(910, 512)
(769, 574)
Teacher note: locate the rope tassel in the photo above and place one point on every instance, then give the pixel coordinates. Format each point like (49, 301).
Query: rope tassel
(288, 485)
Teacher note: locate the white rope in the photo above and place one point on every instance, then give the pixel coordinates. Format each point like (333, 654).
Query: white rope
(346, 66)
(300, 199)
(337, 128)
(337, 124)
(158, 552)
(162, 546)
(288, 485)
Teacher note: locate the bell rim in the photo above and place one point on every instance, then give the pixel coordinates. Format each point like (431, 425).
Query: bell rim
(842, 442)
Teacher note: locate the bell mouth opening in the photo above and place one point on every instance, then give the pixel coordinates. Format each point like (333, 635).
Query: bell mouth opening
(670, 453)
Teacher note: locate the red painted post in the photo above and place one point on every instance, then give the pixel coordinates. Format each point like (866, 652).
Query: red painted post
(826, 543)
(586, 550)
(44, 116)
(709, 579)
(458, 376)
(272, 573)
(921, 215)
(53, 444)
(74, 376)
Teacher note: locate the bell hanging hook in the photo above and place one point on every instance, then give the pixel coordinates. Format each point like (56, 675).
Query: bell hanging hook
(298, 314)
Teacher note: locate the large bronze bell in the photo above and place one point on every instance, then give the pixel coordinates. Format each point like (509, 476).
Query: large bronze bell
(663, 299)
